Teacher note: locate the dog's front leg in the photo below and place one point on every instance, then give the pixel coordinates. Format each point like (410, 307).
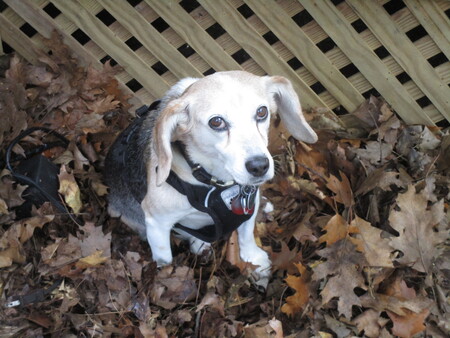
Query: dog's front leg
(158, 236)
(252, 253)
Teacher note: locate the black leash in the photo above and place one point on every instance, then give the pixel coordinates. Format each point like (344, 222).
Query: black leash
(23, 179)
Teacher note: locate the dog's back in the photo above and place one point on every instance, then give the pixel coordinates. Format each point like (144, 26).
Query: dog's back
(125, 171)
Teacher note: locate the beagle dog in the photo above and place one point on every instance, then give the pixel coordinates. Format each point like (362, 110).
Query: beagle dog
(193, 163)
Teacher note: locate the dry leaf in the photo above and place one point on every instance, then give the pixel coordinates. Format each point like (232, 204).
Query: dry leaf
(381, 302)
(103, 105)
(94, 240)
(336, 228)
(173, 286)
(285, 259)
(68, 187)
(344, 264)
(214, 301)
(376, 153)
(379, 178)
(370, 323)
(233, 256)
(342, 189)
(369, 241)
(275, 324)
(408, 325)
(298, 301)
(17, 234)
(96, 258)
(418, 239)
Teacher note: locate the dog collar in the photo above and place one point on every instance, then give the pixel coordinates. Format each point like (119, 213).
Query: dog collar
(199, 172)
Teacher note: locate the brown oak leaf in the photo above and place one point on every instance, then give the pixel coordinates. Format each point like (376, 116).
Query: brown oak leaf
(344, 263)
(369, 241)
(336, 229)
(173, 286)
(415, 222)
(379, 178)
(408, 325)
(298, 301)
(342, 188)
(411, 322)
(370, 322)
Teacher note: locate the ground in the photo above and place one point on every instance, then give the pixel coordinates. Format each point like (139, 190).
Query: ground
(356, 227)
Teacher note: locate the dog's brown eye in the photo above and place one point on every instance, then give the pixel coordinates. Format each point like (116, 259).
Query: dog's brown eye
(262, 113)
(217, 123)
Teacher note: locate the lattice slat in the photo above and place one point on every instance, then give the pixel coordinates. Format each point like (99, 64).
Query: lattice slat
(336, 53)
(405, 53)
(334, 23)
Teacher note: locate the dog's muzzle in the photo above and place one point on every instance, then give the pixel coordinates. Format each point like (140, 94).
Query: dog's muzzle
(257, 166)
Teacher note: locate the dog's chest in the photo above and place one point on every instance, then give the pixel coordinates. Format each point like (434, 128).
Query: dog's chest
(196, 220)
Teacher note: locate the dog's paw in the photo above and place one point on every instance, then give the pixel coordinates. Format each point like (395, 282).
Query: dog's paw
(162, 260)
(258, 257)
(199, 247)
(260, 280)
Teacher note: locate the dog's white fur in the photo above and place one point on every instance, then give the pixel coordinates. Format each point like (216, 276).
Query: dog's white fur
(186, 109)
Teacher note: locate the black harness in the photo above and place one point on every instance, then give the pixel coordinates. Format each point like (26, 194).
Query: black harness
(227, 203)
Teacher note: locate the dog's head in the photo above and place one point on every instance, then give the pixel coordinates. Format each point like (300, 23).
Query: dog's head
(223, 119)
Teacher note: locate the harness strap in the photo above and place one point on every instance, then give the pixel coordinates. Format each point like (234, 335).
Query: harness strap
(198, 198)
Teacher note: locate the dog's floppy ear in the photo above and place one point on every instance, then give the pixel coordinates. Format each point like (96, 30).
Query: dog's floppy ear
(170, 121)
(288, 106)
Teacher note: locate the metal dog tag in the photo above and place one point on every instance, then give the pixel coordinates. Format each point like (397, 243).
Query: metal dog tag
(244, 203)
(247, 196)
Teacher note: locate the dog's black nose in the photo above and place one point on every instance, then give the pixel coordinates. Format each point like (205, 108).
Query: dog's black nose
(257, 166)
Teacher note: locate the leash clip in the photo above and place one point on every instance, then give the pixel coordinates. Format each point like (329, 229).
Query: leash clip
(247, 197)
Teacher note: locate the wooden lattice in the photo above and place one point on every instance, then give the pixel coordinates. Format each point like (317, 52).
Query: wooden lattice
(336, 53)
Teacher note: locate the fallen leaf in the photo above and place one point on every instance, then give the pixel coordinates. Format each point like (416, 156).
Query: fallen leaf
(103, 105)
(336, 229)
(341, 188)
(376, 153)
(94, 259)
(379, 178)
(338, 327)
(3, 207)
(370, 323)
(285, 258)
(233, 256)
(399, 289)
(298, 301)
(428, 140)
(369, 112)
(173, 286)
(368, 239)
(418, 239)
(213, 301)
(10, 191)
(17, 234)
(381, 302)
(68, 187)
(306, 186)
(275, 324)
(408, 325)
(94, 240)
(344, 264)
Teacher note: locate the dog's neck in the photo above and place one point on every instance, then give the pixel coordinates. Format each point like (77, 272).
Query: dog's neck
(182, 165)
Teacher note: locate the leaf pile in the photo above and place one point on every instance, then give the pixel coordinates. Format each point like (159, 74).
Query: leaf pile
(357, 228)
